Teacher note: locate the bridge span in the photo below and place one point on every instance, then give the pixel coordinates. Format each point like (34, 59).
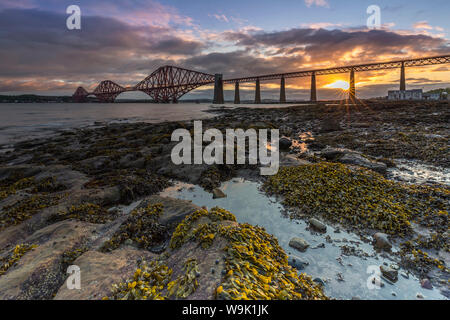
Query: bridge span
(168, 84)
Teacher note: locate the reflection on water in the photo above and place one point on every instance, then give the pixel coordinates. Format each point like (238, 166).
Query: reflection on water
(345, 276)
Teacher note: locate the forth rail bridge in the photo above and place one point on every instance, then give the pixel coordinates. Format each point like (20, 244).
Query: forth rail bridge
(168, 84)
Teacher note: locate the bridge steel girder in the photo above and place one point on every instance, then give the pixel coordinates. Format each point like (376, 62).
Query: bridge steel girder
(363, 67)
(80, 95)
(169, 83)
(107, 91)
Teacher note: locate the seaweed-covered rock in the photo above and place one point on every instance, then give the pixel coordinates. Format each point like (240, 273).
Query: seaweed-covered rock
(212, 256)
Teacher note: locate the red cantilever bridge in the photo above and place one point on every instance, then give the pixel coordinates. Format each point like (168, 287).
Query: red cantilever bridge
(169, 83)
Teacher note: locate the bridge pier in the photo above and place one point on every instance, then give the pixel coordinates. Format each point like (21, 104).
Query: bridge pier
(283, 90)
(352, 89)
(313, 87)
(237, 96)
(402, 78)
(258, 92)
(218, 89)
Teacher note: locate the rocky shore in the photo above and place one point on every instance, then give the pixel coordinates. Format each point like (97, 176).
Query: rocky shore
(89, 197)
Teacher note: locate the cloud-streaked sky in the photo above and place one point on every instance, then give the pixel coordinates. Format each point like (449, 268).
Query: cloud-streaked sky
(125, 40)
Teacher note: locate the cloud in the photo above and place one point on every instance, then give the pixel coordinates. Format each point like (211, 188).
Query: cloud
(38, 53)
(319, 3)
(422, 25)
(220, 17)
(340, 46)
(35, 42)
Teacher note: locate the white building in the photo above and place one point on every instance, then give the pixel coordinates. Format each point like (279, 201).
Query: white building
(416, 94)
(432, 96)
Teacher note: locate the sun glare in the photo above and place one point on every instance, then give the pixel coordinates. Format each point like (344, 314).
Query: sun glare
(338, 84)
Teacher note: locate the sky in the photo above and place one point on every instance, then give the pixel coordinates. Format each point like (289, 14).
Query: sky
(126, 40)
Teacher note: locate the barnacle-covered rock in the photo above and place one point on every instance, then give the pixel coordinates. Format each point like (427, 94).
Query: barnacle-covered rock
(88, 212)
(40, 272)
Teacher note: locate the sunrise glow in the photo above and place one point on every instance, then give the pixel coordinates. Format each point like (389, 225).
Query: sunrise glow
(338, 84)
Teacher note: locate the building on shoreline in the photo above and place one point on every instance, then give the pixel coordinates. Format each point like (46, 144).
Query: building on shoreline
(416, 94)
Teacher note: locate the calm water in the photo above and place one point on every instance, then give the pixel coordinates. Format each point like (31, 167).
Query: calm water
(22, 121)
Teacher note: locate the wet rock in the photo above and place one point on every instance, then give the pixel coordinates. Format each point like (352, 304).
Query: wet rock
(285, 144)
(316, 224)
(299, 244)
(389, 273)
(218, 194)
(381, 241)
(297, 263)
(426, 284)
(330, 153)
(319, 281)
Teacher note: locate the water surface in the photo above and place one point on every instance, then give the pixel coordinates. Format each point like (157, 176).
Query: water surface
(345, 276)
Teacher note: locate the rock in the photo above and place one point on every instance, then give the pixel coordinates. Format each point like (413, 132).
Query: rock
(319, 281)
(99, 271)
(426, 284)
(128, 242)
(297, 263)
(330, 125)
(316, 224)
(330, 153)
(389, 273)
(419, 296)
(41, 272)
(299, 244)
(359, 160)
(445, 293)
(381, 241)
(404, 275)
(285, 144)
(218, 194)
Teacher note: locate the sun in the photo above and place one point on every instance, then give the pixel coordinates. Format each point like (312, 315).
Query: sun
(338, 84)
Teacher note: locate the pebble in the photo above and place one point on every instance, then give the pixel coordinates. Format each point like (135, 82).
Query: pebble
(319, 281)
(426, 284)
(297, 263)
(381, 241)
(316, 224)
(299, 244)
(389, 273)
